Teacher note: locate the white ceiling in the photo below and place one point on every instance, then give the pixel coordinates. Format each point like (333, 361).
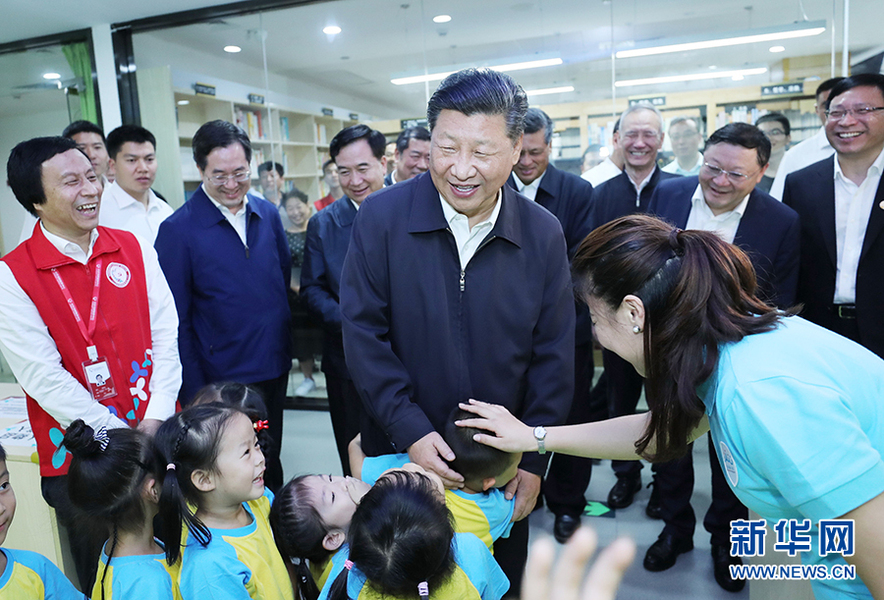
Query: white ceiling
(382, 39)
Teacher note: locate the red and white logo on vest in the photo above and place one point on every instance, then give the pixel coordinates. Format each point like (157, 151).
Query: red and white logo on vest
(118, 274)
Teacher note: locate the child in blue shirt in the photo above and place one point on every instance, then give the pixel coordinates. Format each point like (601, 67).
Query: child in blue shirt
(114, 482)
(26, 575)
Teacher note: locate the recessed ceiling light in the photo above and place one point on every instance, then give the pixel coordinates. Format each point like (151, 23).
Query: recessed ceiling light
(183, 102)
(553, 90)
(51, 76)
(441, 18)
(331, 30)
(777, 48)
(532, 64)
(232, 49)
(692, 77)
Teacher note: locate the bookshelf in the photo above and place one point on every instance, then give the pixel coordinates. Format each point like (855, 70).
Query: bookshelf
(296, 139)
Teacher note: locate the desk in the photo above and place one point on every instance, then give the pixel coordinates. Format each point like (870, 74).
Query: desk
(35, 526)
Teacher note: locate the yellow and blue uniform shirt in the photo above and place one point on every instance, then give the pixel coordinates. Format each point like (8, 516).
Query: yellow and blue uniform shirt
(797, 418)
(477, 576)
(30, 576)
(238, 564)
(487, 515)
(134, 577)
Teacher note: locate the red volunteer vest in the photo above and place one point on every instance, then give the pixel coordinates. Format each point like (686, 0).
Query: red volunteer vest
(122, 331)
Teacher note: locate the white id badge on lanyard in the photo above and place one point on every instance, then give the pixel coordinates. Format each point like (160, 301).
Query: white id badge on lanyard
(98, 376)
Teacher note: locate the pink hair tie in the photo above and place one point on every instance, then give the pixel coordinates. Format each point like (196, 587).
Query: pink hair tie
(348, 564)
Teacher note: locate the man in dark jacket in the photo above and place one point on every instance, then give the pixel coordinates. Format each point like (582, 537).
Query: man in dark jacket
(456, 287)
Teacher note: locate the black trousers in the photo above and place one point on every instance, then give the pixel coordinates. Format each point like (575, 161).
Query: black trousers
(675, 483)
(273, 391)
(624, 387)
(511, 554)
(345, 409)
(564, 488)
(84, 540)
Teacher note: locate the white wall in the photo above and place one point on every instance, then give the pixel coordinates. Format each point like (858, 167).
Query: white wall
(50, 117)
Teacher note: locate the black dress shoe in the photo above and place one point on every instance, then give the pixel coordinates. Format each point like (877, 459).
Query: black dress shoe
(721, 562)
(565, 527)
(654, 509)
(623, 492)
(663, 553)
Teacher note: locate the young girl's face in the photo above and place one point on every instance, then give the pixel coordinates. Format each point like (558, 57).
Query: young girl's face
(240, 463)
(335, 498)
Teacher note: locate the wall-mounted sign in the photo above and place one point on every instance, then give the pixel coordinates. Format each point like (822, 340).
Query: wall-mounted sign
(354, 116)
(783, 89)
(328, 112)
(256, 99)
(655, 101)
(406, 123)
(204, 89)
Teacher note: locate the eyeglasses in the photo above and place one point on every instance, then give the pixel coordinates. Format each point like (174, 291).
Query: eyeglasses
(860, 112)
(239, 177)
(774, 133)
(646, 135)
(733, 176)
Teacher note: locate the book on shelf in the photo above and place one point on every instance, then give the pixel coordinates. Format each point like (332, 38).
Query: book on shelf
(284, 128)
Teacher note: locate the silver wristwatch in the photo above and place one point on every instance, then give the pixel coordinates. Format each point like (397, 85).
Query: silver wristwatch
(540, 436)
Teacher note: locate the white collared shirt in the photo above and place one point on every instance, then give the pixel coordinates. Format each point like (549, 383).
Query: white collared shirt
(639, 187)
(468, 239)
(602, 172)
(238, 220)
(724, 225)
(119, 210)
(811, 150)
(529, 190)
(34, 358)
(675, 167)
(853, 205)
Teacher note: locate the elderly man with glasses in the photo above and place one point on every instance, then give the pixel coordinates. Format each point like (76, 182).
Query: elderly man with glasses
(226, 258)
(724, 198)
(841, 203)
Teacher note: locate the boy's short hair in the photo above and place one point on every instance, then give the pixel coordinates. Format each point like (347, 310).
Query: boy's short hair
(472, 459)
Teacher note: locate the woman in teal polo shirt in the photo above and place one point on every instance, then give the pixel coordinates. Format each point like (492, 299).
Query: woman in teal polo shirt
(796, 412)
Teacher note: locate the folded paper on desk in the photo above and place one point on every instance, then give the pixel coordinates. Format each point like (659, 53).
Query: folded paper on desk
(19, 434)
(13, 407)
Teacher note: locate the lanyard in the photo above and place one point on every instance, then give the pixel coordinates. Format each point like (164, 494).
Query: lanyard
(89, 331)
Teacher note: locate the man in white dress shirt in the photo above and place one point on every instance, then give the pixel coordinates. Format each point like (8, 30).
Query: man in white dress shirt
(685, 137)
(129, 203)
(611, 166)
(811, 150)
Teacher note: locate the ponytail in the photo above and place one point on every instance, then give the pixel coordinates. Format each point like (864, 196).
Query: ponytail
(338, 589)
(698, 292)
(189, 440)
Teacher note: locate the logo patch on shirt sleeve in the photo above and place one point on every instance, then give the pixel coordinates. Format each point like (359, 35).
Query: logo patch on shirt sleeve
(118, 274)
(729, 464)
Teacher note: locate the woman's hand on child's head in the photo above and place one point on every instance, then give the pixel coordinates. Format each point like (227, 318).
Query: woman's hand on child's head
(545, 581)
(510, 434)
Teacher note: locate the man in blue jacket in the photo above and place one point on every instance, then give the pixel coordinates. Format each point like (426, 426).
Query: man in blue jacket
(226, 258)
(456, 287)
(358, 152)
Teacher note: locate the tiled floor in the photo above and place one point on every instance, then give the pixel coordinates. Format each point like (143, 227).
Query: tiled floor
(308, 447)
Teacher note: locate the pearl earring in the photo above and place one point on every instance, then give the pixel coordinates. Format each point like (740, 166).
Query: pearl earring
(636, 329)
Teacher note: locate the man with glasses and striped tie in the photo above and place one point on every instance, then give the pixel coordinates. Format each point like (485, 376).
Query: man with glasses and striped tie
(841, 204)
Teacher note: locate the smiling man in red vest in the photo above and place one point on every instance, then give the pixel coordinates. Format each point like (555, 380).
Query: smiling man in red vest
(87, 322)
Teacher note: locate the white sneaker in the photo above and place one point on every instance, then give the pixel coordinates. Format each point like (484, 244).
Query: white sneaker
(307, 386)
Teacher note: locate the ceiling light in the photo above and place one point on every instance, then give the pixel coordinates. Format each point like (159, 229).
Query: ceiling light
(331, 30)
(738, 77)
(553, 90)
(183, 102)
(232, 49)
(441, 18)
(692, 77)
(777, 48)
(532, 64)
(750, 37)
(51, 76)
